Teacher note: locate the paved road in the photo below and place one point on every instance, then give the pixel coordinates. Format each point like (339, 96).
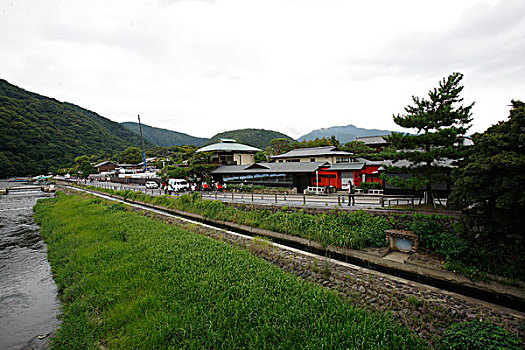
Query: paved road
(334, 200)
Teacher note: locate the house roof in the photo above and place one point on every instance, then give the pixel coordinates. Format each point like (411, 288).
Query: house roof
(447, 163)
(229, 146)
(314, 151)
(372, 140)
(261, 168)
(347, 166)
(104, 163)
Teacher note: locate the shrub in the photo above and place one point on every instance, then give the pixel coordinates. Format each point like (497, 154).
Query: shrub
(365, 186)
(478, 335)
(179, 173)
(434, 236)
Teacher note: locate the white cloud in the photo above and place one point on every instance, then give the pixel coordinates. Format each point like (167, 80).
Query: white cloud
(203, 67)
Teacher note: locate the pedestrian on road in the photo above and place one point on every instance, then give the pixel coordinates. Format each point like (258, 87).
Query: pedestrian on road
(351, 191)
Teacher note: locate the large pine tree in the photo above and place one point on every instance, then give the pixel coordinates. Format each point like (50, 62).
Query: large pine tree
(440, 122)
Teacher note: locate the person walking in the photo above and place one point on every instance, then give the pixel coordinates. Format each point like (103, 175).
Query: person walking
(351, 191)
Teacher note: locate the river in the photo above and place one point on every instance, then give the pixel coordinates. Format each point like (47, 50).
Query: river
(28, 296)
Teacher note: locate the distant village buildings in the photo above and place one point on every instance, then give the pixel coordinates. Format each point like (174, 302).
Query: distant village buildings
(116, 171)
(299, 168)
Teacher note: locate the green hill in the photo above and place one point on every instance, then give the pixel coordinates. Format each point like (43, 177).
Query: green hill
(38, 132)
(259, 138)
(164, 137)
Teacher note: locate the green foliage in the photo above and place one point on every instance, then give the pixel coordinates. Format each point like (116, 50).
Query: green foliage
(164, 137)
(80, 159)
(358, 149)
(479, 335)
(440, 125)
(492, 178)
(131, 155)
(179, 173)
(434, 236)
(86, 168)
(37, 132)
(355, 230)
(259, 138)
(260, 157)
(129, 282)
(173, 155)
(437, 234)
(317, 142)
(280, 146)
(365, 186)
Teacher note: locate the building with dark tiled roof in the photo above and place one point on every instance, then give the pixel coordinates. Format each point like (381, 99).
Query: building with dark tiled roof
(377, 142)
(289, 175)
(105, 166)
(328, 154)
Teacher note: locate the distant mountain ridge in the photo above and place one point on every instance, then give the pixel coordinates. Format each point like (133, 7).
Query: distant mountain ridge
(259, 138)
(38, 132)
(164, 137)
(343, 133)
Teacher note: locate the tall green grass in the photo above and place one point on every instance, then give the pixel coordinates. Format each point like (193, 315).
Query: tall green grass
(355, 230)
(129, 282)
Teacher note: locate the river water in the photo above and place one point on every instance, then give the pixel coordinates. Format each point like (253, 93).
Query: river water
(28, 295)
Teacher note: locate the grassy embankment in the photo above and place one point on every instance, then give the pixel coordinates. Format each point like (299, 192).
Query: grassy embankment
(129, 282)
(438, 234)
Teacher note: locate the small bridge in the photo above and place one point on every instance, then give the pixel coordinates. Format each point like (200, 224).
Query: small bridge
(29, 188)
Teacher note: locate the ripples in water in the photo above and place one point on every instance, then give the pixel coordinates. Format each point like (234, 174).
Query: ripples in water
(28, 295)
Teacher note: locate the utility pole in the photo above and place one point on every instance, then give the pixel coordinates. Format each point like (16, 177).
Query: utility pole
(143, 151)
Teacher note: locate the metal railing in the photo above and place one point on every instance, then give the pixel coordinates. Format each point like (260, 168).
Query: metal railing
(334, 200)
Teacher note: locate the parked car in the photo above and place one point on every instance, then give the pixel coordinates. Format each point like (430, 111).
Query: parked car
(151, 184)
(178, 185)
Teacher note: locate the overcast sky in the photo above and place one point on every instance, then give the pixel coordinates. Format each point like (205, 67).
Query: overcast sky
(203, 67)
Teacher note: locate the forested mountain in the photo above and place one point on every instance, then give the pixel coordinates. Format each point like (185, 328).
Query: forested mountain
(259, 138)
(343, 133)
(38, 132)
(164, 137)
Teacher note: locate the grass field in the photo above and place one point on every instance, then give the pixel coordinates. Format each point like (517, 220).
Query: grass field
(129, 282)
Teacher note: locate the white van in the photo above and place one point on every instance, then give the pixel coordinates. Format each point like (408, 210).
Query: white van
(178, 185)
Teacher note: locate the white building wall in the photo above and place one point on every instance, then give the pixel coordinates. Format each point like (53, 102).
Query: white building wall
(244, 158)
